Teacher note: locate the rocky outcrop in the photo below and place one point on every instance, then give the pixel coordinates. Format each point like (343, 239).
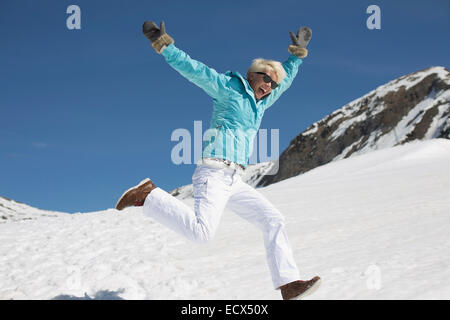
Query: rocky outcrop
(412, 107)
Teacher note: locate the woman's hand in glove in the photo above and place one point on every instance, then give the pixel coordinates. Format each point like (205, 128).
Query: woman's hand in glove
(300, 41)
(157, 36)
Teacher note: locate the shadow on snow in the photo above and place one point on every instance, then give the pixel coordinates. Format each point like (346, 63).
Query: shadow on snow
(100, 295)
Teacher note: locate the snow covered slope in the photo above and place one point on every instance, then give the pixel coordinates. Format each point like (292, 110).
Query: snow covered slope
(374, 226)
(413, 107)
(11, 210)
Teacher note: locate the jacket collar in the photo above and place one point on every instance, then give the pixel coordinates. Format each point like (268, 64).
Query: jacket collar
(246, 84)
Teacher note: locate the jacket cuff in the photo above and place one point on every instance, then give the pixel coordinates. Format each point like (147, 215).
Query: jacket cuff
(294, 60)
(298, 51)
(169, 50)
(162, 42)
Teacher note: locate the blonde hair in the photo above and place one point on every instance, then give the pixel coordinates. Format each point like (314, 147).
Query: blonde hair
(262, 65)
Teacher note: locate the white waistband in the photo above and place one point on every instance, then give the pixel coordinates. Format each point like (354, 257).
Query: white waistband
(220, 164)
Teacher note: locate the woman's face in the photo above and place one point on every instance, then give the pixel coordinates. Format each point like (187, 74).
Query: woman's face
(261, 88)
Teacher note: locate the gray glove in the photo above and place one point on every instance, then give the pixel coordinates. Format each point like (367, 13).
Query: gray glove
(157, 36)
(300, 41)
(302, 38)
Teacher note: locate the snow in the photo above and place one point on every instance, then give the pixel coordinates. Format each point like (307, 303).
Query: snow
(11, 210)
(311, 130)
(255, 172)
(408, 123)
(346, 124)
(374, 226)
(347, 150)
(439, 120)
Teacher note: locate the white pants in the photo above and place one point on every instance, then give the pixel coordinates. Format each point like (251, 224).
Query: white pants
(213, 190)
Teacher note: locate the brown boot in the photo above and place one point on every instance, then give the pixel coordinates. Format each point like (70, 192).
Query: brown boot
(298, 289)
(136, 195)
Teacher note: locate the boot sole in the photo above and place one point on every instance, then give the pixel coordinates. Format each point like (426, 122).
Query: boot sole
(132, 188)
(311, 290)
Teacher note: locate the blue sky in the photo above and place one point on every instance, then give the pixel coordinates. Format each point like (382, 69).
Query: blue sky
(87, 113)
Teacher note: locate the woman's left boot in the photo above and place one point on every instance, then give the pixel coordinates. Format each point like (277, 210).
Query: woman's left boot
(136, 195)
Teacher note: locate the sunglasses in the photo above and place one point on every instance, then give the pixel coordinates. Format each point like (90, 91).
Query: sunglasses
(268, 79)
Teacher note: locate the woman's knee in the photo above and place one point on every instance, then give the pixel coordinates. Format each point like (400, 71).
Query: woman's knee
(277, 222)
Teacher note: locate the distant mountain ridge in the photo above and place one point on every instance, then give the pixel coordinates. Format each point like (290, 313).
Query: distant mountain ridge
(413, 107)
(11, 210)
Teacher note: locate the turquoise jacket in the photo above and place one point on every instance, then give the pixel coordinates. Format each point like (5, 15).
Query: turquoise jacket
(236, 112)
